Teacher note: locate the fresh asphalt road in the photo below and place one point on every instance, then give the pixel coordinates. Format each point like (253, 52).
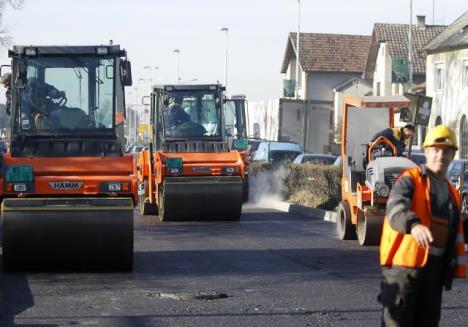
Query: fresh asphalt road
(269, 269)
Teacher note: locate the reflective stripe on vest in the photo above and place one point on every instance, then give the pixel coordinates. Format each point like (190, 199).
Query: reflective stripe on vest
(397, 249)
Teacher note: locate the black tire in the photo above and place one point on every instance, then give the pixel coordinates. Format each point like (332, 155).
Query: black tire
(369, 229)
(161, 212)
(146, 208)
(344, 226)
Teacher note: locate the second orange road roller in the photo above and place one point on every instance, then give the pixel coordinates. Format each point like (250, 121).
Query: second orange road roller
(190, 171)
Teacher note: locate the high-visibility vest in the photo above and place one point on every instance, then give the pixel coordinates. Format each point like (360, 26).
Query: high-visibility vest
(398, 249)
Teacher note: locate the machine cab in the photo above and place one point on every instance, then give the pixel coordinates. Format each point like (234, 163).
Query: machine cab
(188, 114)
(68, 100)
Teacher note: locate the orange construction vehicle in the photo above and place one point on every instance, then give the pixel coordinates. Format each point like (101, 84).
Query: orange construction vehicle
(67, 189)
(366, 181)
(189, 171)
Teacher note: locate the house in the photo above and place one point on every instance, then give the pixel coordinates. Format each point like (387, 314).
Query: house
(447, 80)
(326, 61)
(389, 47)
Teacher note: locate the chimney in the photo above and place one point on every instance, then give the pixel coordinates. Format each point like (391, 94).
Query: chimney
(421, 22)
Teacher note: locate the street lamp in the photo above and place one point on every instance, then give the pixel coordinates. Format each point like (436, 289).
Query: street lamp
(225, 29)
(177, 51)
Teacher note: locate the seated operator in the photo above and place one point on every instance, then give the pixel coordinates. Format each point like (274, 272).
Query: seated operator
(179, 123)
(37, 104)
(398, 136)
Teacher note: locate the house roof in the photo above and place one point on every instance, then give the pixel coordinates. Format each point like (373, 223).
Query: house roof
(455, 36)
(396, 38)
(328, 52)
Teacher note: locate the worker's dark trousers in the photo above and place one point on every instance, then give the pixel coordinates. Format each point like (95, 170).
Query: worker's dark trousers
(412, 297)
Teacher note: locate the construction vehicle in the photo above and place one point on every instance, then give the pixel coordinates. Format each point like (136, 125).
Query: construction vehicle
(189, 171)
(235, 115)
(67, 189)
(366, 181)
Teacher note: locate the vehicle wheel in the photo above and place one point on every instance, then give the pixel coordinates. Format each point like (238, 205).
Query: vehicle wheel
(162, 214)
(344, 226)
(146, 208)
(369, 229)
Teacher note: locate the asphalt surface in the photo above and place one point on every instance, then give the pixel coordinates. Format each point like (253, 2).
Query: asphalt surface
(269, 269)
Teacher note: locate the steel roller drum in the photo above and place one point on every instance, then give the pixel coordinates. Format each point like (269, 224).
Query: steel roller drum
(201, 198)
(67, 233)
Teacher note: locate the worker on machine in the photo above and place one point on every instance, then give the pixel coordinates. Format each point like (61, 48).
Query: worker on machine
(398, 136)
(179, 122)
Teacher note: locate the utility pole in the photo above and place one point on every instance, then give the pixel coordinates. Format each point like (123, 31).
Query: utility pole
(297, 46)
(177, 51)
(410, 46)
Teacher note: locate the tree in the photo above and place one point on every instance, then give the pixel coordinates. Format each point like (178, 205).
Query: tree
(5, 37)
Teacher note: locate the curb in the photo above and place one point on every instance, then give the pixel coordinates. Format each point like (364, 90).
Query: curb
(305, 211)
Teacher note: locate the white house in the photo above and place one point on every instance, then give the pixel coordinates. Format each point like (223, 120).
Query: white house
(447, 80)
(390, 42)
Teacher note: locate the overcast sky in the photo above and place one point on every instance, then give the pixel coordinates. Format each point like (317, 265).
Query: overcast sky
(151, 30)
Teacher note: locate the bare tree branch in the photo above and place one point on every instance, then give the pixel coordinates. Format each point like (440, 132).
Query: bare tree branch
(5, 36)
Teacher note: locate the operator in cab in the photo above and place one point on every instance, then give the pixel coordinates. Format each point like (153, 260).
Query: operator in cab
(179, 123)
(398, 136)
(37, 104)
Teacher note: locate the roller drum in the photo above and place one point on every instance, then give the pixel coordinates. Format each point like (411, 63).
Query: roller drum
(201, 198)
(67, 234)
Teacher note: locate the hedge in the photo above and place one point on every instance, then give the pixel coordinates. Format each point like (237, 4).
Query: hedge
(312, 185)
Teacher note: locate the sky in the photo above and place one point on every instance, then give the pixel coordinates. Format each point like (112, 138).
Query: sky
(150, 31)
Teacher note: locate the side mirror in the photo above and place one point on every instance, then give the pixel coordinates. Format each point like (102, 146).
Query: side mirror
(126, 72)
(146, 100)
(405, 115)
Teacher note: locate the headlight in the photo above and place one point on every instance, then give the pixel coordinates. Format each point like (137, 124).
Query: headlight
(115, 187)
(19, 187)
(102, 50)
(174, 171)
(382, 189)
(229, 170)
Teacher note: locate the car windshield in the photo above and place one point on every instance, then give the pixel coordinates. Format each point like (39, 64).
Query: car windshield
(280, 156)
(67, 93)
(319, 160)
(192, 114)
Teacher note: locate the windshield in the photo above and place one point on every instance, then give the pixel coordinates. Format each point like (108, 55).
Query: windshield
(192, 114)
(71, 93)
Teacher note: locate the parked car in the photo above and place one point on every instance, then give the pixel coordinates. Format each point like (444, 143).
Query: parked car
(323, 159)
(459, 168)
(277, 152)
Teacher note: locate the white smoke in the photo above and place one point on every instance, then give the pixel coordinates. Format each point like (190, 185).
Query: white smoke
(268, 188)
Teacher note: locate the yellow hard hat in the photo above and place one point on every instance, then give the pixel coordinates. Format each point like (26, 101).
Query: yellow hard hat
(441, 135)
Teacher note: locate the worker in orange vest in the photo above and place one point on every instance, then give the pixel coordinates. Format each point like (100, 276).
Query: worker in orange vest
(422, 244)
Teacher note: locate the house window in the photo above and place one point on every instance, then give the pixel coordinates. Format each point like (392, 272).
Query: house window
(438, 121)
(464, 138)
(439, 79)
(465, 74)
(378, 89)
